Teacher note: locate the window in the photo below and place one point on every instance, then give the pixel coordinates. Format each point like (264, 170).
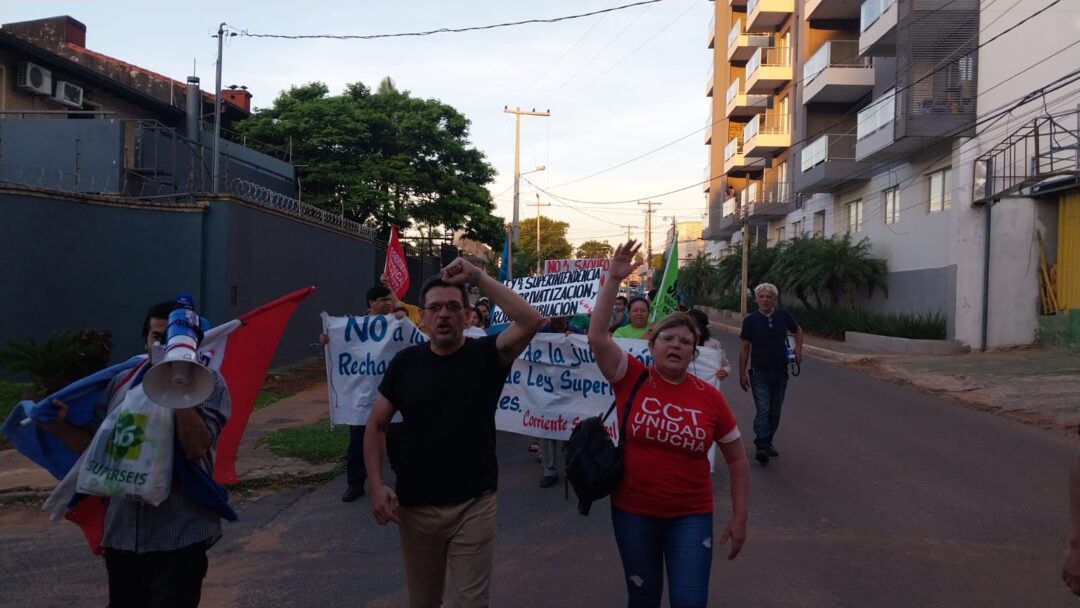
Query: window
(796, 228)
(891, 202)
(819, 223)
(940, 194)
(781, 182)
(780, 234)
(854, 216)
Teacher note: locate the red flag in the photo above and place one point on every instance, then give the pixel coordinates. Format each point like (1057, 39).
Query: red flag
(248, 352)
(89, 514)
(397, 268)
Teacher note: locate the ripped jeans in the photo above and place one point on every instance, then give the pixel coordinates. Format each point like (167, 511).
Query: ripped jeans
(648, 544)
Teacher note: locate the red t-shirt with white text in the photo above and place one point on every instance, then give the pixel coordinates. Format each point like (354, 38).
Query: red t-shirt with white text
(669, 432)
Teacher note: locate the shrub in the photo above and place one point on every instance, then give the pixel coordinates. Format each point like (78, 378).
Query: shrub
(832, 323)
(64, 357)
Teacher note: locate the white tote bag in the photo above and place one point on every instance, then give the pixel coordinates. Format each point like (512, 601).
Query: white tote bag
(131, 455)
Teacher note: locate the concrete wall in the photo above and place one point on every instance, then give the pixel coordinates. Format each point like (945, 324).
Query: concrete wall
(78, 262)
(73, 263)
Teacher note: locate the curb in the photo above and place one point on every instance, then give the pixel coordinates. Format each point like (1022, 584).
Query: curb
(814, 351)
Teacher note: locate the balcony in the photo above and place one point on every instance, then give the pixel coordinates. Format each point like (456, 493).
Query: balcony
(768, 69)
(741, 105)
(737, 164)
(710, 36)
(896, 125)
(737, 3)
(729, 222)
(877, 28)
(767, 134)
(767, 15)
(708, 128)
(741, 45)
(828, 162)
(767, 201)
(710, 81)
(831, 10)
(837, 74)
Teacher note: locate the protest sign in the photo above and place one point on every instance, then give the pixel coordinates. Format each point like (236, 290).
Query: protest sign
(556, 295)
(555, 383)
(357, 356)
(553, 266)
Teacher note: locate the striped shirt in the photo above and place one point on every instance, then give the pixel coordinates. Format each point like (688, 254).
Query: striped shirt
(178, 521)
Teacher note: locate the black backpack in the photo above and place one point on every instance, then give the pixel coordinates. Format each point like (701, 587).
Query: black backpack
(594, 464)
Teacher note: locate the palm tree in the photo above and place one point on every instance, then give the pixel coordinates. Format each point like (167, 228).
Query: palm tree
(698, 279)
(843, 268)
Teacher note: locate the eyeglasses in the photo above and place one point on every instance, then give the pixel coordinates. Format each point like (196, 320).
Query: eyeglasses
(438, 307)
(667, 338)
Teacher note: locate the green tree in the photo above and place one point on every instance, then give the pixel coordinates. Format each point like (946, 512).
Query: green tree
(592, 250)
(553, 243)
(384, 158)
(699, 280)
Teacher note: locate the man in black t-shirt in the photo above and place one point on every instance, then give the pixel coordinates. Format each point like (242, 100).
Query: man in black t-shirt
(764, 346)
(447, 391)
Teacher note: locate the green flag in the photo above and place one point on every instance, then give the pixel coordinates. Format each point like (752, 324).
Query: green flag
(665, 302)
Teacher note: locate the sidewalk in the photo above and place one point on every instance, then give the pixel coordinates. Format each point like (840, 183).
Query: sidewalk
(1035, 385)
(822, 348)
(22, 479)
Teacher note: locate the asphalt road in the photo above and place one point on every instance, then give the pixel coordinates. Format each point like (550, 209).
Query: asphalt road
(882, 496)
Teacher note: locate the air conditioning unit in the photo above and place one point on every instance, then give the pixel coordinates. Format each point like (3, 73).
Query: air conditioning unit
(33, 77)
(68, 94)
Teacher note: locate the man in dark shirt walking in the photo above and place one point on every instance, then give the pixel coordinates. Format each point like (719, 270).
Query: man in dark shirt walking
(447, 391)
(764, 345)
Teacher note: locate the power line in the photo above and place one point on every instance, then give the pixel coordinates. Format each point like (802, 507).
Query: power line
(1021, 101)
(563, 56)
(625, 57)
(445, 30)
(845, 116)
(593, 58)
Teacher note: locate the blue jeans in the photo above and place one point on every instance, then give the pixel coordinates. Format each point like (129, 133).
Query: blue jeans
(647, 544)
(768, 388)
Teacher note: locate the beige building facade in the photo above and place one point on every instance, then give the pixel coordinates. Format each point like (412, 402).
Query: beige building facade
(838, 116)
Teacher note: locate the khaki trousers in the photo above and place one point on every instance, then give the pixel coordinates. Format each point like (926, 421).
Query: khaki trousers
(449, 544)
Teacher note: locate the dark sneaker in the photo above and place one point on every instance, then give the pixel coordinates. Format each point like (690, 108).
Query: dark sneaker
(548, 480)
(772, 451)
(762, 456)
(354, 492)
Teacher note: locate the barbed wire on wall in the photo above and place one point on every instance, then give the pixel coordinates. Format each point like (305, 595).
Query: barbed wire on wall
(255, 193)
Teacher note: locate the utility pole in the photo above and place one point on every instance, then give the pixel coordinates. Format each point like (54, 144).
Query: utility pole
(538, 205)
(745, 260)
(518, 113)
(648, 236)
(215, 172)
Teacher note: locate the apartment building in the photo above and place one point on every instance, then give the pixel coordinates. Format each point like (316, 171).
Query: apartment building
(841, 116)
(690, 243)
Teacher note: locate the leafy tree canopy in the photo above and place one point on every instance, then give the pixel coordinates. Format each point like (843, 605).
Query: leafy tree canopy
(592, 250)
(384, 157)
(553, 243)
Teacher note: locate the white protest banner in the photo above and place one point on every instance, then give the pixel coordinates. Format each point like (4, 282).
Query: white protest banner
(357, 356)
(553, 266)
(555, 383)
(556, 295)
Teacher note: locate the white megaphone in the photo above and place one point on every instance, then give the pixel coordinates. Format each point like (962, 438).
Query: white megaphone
(179, 381)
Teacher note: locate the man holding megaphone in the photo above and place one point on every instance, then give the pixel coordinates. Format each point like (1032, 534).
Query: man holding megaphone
(156, 555)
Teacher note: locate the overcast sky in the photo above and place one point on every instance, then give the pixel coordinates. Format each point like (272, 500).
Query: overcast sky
(618, 85)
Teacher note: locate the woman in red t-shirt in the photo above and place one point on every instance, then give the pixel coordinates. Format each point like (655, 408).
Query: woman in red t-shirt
(662, 508)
